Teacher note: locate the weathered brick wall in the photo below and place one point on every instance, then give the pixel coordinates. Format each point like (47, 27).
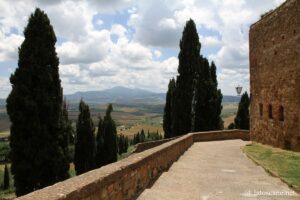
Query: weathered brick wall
(275, 77)
(129, 177)
(221, 135)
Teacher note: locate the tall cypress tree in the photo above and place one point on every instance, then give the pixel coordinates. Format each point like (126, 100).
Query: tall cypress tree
(208, 98)
(85, 141)
(202, 90)
(100, 152)
(67, 134)
(242, 117)
(188, 62)
(34, 107)
(167, 119)
(214, 100)
(110, 137)
(6, 178)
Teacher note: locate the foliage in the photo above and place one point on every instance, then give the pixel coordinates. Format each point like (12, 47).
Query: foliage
(122, 144)
(99, 158)
(34, 107)
(84, 141)
(137, 138)
(208, 99)
(6, 178)
(67, 134)
(110, 148)
(193, 101)
(242, 117)
(189, 56)
(167, 118)
(231, 126)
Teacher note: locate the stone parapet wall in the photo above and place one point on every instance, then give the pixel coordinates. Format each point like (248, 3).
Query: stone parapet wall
(127, 178)
(221, 135)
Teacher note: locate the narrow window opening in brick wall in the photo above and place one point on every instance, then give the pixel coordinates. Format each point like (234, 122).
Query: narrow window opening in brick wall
(260, 109)
(283, 37)
(281, 113)
(287, 144)
(295, 31)
(270, 112)
(275, 52)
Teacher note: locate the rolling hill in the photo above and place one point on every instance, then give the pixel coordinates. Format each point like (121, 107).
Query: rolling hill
(119, 95)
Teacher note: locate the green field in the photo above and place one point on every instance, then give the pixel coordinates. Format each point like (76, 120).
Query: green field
(4, 134)
(278, 162)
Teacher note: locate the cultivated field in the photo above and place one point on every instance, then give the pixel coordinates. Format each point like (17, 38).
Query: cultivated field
(228, 113)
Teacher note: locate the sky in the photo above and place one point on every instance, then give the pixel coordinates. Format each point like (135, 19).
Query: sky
(134, 43)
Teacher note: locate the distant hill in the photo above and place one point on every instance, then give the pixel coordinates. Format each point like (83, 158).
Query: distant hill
(127, 96)
(119, 95)
(228, 99)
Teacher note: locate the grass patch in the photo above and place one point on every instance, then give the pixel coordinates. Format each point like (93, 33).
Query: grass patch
(4, 133)
(281, 163)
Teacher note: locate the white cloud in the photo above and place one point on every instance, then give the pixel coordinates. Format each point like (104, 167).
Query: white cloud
(157, 53)
(101, 54)
(167, 23)
(118, 30)
(9, 46)
(210, 41)
(99, 22)
(88, 50)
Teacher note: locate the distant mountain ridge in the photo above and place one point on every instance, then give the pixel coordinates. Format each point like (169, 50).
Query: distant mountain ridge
(120, 95)
(124, 95)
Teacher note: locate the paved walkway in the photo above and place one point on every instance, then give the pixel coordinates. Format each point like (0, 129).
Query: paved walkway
(216, 171)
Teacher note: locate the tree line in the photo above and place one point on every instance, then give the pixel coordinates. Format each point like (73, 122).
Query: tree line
(193, 100)
(141, 137)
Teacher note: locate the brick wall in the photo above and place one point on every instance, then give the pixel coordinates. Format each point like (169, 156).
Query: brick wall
(275, 77)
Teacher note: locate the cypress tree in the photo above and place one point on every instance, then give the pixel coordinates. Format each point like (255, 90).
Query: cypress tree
(110, 137)
(231, 126)
(143, 136)
(126, 145)
(201, 112)
(120, 144)
(215, 100)
(34, 107)
(6, 178)
(85, 141)
(100, 153)
(167, 118)
(188, 62)
(208, 98)
(67, 134)
(242, 117)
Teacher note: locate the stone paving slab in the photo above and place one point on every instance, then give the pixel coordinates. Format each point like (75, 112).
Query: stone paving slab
(217, 170)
